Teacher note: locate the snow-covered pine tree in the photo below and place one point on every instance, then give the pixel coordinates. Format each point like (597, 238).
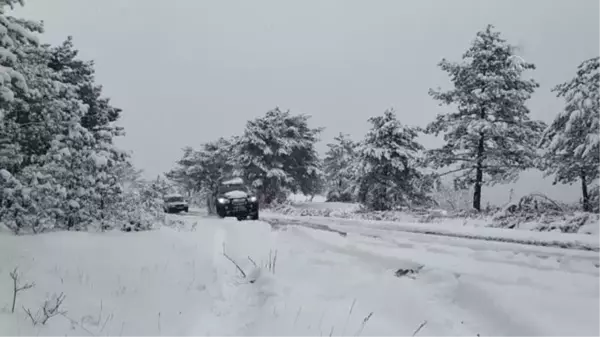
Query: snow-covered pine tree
(490, 137)
(312, 183)
(14, 35)
(68, 171)
(340, 159)
(98, 119)
(388, 159)
(100, 112)
(276, 153)
(571, 142)
(199, 170)
(180, 175)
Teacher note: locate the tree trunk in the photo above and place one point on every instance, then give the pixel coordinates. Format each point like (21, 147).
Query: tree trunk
(478, 175)
(586, 198)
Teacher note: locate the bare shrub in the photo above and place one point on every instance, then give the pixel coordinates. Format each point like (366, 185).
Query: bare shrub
(17, 287)
(50, 309)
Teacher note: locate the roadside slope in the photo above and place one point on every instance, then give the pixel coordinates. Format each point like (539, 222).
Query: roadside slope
(545, 239)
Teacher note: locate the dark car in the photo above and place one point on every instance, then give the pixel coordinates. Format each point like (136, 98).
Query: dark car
(175, 203)
(235, 199)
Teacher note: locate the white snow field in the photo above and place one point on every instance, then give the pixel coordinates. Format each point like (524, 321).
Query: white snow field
(176, 281)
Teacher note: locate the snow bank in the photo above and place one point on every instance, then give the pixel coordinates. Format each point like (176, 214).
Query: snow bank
(143, 283)
(573, 222)
(366, 227)
(177, 281)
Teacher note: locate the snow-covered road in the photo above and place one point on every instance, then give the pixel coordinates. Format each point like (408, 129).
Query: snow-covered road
(322, 282)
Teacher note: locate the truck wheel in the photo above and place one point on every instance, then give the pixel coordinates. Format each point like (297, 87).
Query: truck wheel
(254, 216)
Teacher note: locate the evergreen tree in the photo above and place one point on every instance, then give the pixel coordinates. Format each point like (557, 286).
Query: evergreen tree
(200, 170)
(339, 162)
(490, 137)
(15, 34)
(276, 154)
(571, 142)
(81, 73)
(388, 159)
(63, 175)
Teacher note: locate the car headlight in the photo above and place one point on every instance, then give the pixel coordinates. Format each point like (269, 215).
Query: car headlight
(252, 199)
(222, 200)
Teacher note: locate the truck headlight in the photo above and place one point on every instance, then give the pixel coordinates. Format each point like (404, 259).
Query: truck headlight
(222, 200)
(252, 199)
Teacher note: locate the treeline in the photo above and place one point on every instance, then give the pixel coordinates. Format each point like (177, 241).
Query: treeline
(489, 138)
(59, 167)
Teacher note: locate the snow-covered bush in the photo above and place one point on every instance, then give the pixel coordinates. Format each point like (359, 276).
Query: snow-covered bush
(387, 175)
(338, 163)
(141, 207)
(276, 155)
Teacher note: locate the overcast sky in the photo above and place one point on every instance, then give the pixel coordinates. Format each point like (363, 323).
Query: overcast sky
(189, 71)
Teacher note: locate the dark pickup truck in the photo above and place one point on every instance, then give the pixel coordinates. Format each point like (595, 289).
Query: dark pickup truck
(233, 198)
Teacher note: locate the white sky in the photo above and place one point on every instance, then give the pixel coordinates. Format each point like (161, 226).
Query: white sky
(189, 71)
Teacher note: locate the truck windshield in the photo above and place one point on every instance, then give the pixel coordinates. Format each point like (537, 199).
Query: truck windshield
(174, 199)
(229, 188)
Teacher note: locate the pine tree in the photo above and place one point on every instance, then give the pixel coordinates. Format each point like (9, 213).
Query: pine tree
(200, 170)
(338, 164)
(100, 112)
(15, 34)
(490, 138)
(276, 154)
(572, 141)
(68, 175)
(388, 160)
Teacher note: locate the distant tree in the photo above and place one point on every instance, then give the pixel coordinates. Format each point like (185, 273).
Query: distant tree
(388, 161)
(200, 170)
(276, 154)
(312, 183)
(339, 162)
(571, 142)
(490, 137)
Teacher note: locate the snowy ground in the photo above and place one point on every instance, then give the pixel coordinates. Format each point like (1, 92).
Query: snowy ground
(176, 281)
(579, 222)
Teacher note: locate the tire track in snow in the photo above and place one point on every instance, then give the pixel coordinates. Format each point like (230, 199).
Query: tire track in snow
(360, 227)
(239, 305)
(478, 300)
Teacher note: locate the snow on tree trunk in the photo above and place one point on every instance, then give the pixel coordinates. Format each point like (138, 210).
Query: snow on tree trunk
(584, 192)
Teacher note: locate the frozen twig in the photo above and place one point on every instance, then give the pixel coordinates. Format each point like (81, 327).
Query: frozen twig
(50, 309)
(348, 317)
(252, 261)
(14, 275)
(236, 265)
(419, 328)
(363, 324)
